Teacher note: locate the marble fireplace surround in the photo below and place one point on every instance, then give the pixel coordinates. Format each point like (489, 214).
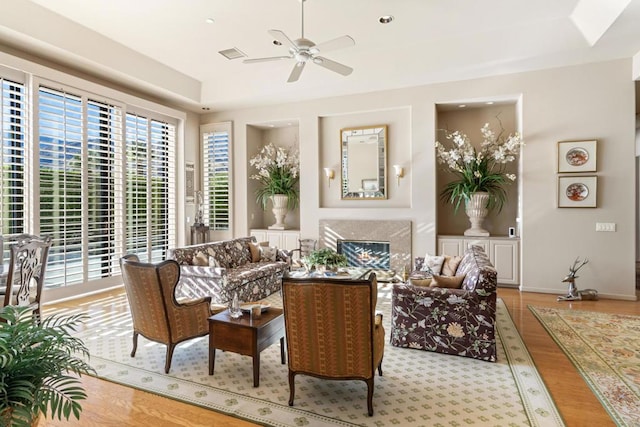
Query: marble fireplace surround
(397, 233)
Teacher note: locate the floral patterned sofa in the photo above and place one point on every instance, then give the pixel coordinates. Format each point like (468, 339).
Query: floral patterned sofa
(231, 266)
(452, 321)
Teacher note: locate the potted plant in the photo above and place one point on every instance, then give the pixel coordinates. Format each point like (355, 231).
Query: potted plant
(325, 258)
(40, 365)
(278, 174)
(478, 170)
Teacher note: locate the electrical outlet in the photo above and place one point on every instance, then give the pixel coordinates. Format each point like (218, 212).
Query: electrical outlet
(606, 226)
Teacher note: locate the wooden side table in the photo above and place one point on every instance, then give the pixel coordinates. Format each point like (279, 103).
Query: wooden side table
(246, 336)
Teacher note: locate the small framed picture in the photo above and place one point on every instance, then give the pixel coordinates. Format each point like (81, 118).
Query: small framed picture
(577, 156)
(577, 191)
(189, 181)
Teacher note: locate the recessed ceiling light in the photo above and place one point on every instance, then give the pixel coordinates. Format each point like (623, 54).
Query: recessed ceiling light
(277, 43)
(462, 105)
(385, 19)
(206, 108)
(209, 21)
(489, 102)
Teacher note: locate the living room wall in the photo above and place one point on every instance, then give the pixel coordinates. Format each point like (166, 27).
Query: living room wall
(594, 101)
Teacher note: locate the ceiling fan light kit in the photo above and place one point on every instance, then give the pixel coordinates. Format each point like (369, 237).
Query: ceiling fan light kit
(304, 50)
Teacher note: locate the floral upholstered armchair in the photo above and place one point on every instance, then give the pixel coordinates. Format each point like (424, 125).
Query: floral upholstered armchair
(452, 321)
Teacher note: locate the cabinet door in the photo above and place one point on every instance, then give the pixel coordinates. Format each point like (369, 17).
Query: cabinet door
(275, 239)
(260, 235)
(290, 240)
(450, 246)
(505, 258)
(484, 243)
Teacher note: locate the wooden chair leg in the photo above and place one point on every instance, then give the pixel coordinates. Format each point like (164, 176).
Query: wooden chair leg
(292, 387)
(380, 368)
(135, 344)
(167, 363)
(370, 396)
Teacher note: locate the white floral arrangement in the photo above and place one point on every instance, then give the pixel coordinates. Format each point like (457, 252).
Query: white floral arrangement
(278, 172)
(478, 170)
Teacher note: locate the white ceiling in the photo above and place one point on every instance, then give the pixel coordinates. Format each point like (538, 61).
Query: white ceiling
(166, 48)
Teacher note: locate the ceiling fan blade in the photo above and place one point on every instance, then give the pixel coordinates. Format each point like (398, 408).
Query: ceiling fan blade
(295, 73)
(282, 38)
(333, 65)
(270, 58)
(337, 43)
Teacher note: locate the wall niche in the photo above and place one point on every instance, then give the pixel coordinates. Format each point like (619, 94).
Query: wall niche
(501, 116)
(281, 134)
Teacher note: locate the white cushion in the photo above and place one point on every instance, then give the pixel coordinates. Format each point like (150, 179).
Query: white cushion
(433, 262)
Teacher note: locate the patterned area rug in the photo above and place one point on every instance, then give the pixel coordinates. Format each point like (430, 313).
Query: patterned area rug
(418, 388)
(606, 351)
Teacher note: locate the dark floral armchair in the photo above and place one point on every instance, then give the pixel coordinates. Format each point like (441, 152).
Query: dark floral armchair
(451, 321)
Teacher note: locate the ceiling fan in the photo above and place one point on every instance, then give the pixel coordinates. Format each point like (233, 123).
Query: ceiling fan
(304, 50)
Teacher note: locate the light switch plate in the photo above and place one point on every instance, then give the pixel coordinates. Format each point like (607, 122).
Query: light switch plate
(606, 226)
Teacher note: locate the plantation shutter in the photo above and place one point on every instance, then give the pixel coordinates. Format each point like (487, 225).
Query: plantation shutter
(216, 143)
(104, 189)
(150, 188)
(13, 110)
(60, 127)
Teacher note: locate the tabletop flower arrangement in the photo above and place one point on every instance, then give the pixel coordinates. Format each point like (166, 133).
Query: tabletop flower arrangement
(278, 172)
(482, 170)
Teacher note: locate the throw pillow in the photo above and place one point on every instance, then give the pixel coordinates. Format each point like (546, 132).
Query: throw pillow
(450, 265)
(433, 263)
(200, 259)
(447, 281)
(420, 282)
(268, 253)
(255, 252)
(213, 262)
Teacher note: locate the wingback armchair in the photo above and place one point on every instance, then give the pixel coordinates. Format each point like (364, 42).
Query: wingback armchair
(333, 331)
(156, 313)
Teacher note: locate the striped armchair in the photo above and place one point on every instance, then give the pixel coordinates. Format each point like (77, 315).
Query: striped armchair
(333, 331)
(156, 314)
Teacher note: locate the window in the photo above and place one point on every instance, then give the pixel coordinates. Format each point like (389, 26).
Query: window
(12, 158)
(80, 171)
(150, 188)
(216, 145)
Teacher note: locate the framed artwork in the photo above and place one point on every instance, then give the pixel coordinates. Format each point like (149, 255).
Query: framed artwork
(577, 191)
(189, 179)
(577, 156)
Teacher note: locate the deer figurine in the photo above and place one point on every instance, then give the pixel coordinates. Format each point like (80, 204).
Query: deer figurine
(574, 294)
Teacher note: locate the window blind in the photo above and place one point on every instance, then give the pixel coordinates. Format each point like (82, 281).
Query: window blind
(216, 145)
(12, 159)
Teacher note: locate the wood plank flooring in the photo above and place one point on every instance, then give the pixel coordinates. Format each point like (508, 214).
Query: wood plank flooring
(111, 404)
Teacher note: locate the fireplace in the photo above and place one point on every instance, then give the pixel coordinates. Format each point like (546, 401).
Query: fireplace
(366, 253)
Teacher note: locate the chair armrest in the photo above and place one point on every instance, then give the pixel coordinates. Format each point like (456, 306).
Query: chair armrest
(378, 318)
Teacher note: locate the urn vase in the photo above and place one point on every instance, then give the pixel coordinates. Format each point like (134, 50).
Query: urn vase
(476, 210)
(280, 208)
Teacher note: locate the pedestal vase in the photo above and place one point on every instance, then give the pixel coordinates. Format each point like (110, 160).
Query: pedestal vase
(280, 209)
(476, 210)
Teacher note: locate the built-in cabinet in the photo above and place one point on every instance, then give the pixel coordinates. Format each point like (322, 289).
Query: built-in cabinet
(504, 253)
(281, 239)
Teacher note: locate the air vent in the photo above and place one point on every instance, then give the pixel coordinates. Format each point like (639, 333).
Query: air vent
(232, 53)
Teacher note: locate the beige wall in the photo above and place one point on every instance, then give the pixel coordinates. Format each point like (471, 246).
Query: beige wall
(591, 101)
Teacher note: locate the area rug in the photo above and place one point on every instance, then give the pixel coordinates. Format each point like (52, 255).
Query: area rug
(605, 348)
(418, 388)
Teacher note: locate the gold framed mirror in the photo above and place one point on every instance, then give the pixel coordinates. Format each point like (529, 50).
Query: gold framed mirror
(363, 154)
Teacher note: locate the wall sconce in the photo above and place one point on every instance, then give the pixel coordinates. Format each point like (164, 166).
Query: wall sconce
(399, 170)
(330, 174)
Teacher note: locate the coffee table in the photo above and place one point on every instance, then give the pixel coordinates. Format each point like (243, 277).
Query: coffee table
(246, 336)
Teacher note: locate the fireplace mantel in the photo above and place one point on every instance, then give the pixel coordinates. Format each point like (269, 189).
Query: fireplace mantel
(396, 232)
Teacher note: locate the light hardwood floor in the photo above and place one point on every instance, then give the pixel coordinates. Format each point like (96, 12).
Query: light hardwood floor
(110, 404)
